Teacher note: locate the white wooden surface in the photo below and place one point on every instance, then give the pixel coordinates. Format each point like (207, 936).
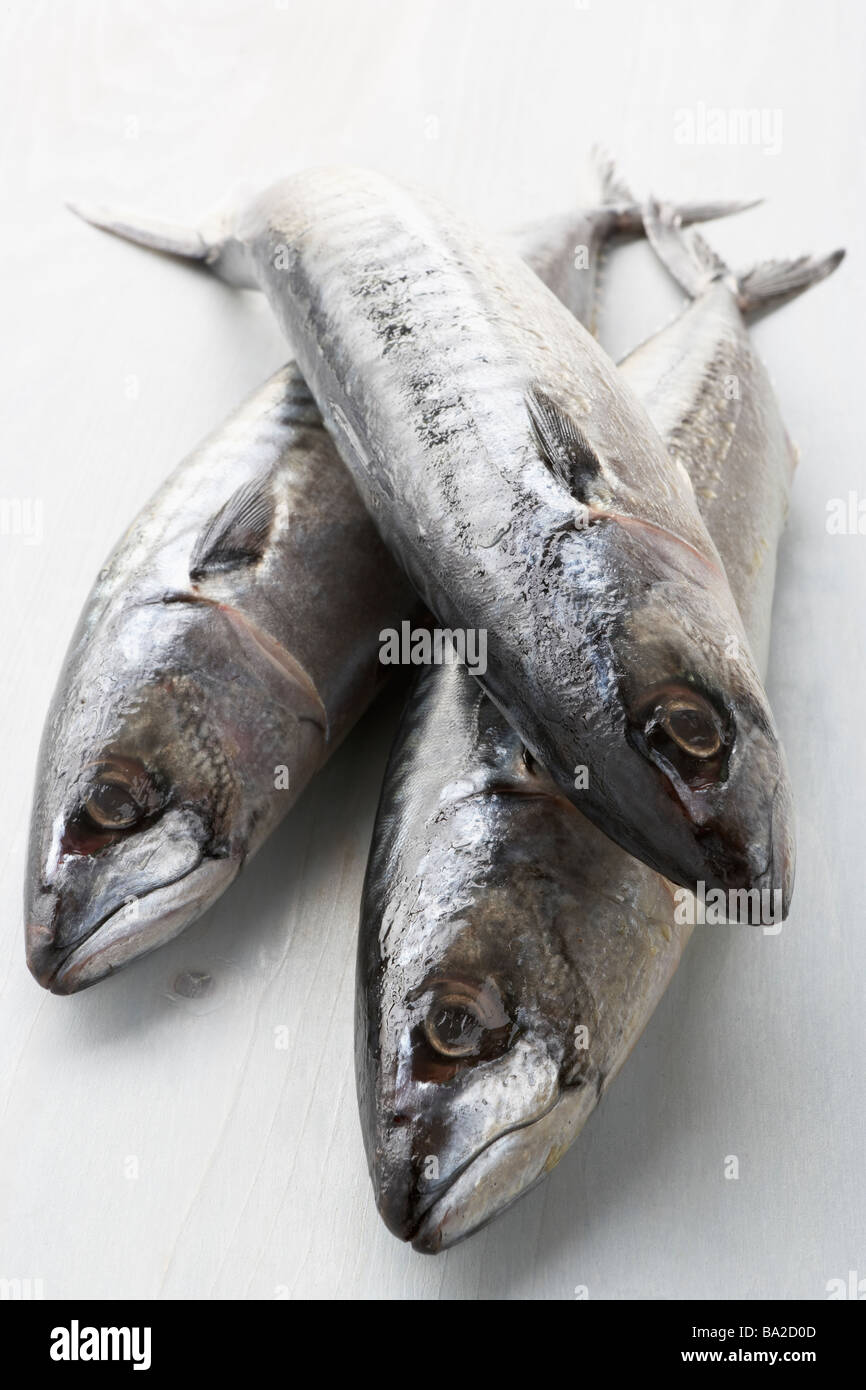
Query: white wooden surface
(250, 1170)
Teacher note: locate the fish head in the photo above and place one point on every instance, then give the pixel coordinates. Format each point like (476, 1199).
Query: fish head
(687, 770)
(474, 1031)
(698, 751)
(150, 786)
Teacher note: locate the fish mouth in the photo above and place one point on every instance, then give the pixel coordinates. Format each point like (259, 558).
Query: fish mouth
(767, 871)
(777, 884)
(131, 929)
(772, 885)
(782, 863)
(425, 1233)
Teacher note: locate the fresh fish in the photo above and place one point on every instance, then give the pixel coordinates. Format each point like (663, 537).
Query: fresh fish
(509, 954)
(520, 483)
(228, 645)
(179, 734)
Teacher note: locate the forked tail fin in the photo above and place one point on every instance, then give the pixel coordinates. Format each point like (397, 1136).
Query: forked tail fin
(696, 266)
(568, 252)
(627, 212)
(213, 245)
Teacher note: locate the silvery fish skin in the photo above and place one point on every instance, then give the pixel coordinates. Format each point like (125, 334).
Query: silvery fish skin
(509, 954)
(228, 645)
(162, 692)
(521, 485)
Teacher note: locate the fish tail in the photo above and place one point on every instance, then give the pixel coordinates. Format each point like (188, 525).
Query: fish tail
(614, 212)
(771, 283)
(615, 197)
(686, 256)
(695, 265)
(611, 187)
(213, 245)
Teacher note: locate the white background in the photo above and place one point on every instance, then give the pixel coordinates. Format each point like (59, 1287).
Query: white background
(252, 1179)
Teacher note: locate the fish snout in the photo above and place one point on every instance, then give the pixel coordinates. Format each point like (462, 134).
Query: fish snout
(398, 1210)
(775, 887)
(399, 1198)
(776, 883)
(404, 1210)
(754, 865)
(46, 966)
(55, 926)
(410, 1169)
(104, 910)
(44, 955)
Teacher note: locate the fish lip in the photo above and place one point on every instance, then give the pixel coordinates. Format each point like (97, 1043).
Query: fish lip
(783, 853)
(773, 873)
(53, 975)
(424, 1240)
(778, 877)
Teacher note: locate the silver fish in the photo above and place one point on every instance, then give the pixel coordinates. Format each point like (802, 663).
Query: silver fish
(510, 955)
(251, 586)
(229, 644)
(521, 485)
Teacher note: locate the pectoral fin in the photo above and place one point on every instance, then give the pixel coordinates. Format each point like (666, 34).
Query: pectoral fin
(563, 447)
(237, 534)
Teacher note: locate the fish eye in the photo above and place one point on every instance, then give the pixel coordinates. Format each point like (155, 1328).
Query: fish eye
(453, 1028)
(465, 1020)
(683, 732)
(692, 724)
(111, 806)
(119, 796)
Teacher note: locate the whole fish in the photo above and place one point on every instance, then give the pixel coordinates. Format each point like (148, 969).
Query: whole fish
(509, 953)
(229, 643)
(523, 488)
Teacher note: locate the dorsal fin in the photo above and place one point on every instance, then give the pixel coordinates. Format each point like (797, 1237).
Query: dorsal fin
(237, 534)
(568, 454)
